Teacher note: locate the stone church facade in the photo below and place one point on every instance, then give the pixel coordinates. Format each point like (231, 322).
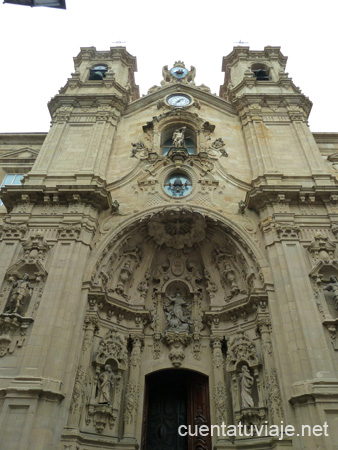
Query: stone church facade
(169, 259)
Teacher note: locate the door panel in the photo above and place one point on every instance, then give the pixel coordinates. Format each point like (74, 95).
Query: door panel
(174, 398)
(198, 410)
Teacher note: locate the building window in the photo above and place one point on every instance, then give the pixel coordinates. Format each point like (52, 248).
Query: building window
(98, 72)
(261, 72)
(11, 179)
(178, 185)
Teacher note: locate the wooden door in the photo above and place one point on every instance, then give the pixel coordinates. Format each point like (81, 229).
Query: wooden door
(198, 410)
(174, 398)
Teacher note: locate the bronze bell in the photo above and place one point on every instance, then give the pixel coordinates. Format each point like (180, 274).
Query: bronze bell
(96, 76)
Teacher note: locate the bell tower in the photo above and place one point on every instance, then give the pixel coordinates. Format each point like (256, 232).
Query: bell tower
(85, 114)
(272, 111)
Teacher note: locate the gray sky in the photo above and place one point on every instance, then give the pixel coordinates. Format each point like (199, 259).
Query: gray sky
(38, 46)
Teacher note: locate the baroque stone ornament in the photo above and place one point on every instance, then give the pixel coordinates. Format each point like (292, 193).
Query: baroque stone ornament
(110, 363)
(241, 348)
(106, 385)
(178, 137)
(333, 288)
(177, 341)
(247, 382)
(177, 315)
(220, 399)
(132, 395)
(113, 346)
(322, 249)
(243, 365)
(12, 332)
(177, 228)
(217, 149)
(177, 336)
(21, 293)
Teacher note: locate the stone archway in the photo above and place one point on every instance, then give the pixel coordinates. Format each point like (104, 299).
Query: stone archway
(181, 288)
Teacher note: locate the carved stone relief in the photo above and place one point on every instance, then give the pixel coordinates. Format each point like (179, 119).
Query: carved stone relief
(177, 228)
(110, 364)
(179, 326)
(244, 366)
(231, 272)
(21, 293)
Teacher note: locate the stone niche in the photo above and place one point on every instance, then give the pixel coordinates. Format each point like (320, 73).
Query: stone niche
(244, 367)
(21, 293)
(107, 383)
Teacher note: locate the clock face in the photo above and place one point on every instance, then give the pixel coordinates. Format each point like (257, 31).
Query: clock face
(179, 100)
(179, 72)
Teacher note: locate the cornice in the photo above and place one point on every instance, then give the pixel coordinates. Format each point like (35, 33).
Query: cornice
(253, 55)
(115, 53)
(22, 138)
(325, 138)
(74, 101)
(295, 106)
(205, 97)
(261, 196)
(324, 390)
(97, 197)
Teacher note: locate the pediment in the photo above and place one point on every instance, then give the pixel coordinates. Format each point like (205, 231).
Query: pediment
(22, 153)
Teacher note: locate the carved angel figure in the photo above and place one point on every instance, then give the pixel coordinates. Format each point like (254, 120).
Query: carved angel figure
(191, 74)
(21, 290)
(166, 74)
(246, 387)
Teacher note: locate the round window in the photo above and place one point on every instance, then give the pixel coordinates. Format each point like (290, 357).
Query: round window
(178, 185)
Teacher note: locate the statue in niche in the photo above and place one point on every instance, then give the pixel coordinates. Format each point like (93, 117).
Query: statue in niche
(22, 290)
(177, 314)
(333, 286)
(143, 286)
(247, 382)
(178, 137)
(106, 384)
(229, 275)
(124, 276)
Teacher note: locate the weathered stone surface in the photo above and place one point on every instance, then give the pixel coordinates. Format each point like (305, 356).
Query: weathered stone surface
(108, 274)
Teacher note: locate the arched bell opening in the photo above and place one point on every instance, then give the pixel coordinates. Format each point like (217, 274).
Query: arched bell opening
(175, 398)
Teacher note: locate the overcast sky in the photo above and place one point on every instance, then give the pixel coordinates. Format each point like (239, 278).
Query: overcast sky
(38, 46)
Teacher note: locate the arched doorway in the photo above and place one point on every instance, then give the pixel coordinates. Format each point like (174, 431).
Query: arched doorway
(174, 398)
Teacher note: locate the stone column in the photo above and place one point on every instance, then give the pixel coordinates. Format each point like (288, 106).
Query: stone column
(132, 390)
(79, 391)
(273, 396)
(220, 394)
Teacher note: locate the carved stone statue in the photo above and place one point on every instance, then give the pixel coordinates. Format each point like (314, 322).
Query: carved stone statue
(247, 382)
(106, 385)
(333, 286)
(124, 276)
(178, 137)
(177, 314)
(22, 290)
(241, 207)
(229, 275)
